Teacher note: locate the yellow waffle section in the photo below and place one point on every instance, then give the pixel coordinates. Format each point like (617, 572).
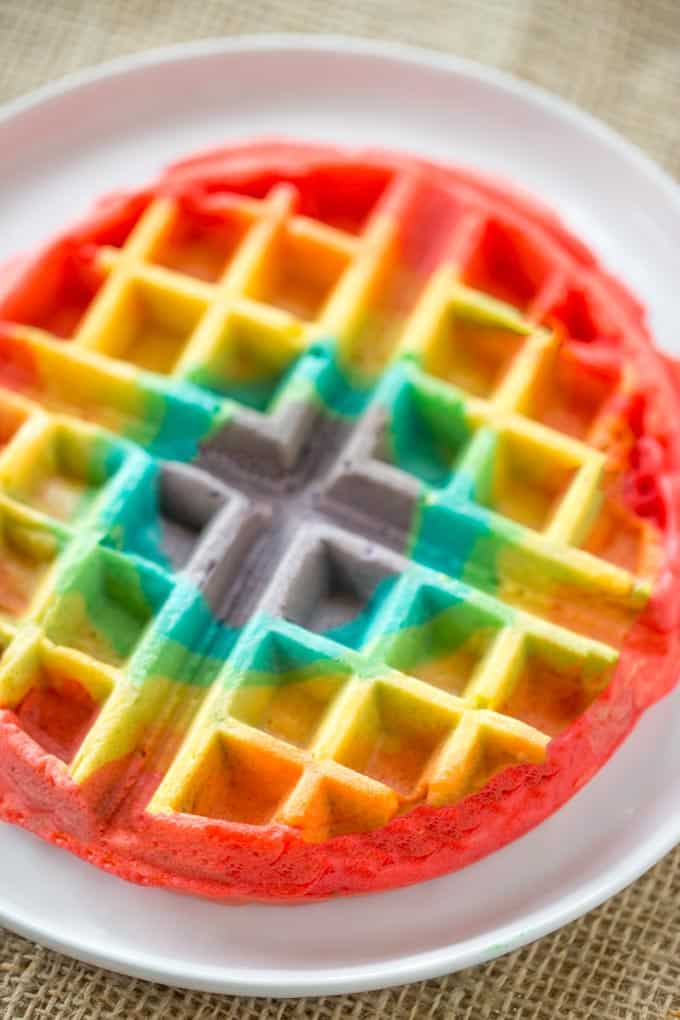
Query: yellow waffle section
(385, 745)
(80, 384)
(58, 466)
(30, 547)
(334, 754)
(480, 345)
(277, 282)
(488, 351)
(210, 308)
(553, 481)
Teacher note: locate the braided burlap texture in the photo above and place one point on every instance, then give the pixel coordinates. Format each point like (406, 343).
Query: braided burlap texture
(621, 60)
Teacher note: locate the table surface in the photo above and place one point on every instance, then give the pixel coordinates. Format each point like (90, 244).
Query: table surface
(620, 59)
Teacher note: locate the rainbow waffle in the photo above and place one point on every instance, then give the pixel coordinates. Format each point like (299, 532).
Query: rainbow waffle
(338, 503)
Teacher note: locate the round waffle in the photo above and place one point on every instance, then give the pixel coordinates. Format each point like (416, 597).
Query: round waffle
(338, 502)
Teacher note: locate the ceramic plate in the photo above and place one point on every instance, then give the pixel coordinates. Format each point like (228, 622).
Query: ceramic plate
(117, 126)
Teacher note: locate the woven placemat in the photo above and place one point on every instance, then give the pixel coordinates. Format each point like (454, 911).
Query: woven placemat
(621, 60)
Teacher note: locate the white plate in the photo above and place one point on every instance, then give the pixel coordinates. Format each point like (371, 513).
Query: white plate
(118, 126)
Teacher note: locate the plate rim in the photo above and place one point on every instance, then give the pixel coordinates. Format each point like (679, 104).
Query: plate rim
(449, 958)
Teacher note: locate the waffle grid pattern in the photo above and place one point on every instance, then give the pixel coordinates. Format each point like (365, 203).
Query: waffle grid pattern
(345, 741)
(329, 736)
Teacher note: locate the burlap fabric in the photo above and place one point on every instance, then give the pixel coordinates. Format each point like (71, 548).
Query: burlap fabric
(621, 60)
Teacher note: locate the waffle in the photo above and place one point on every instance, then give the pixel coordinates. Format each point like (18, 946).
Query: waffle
(338, 506)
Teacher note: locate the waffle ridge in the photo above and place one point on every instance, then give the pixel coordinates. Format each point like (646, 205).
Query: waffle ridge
(329, 610)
